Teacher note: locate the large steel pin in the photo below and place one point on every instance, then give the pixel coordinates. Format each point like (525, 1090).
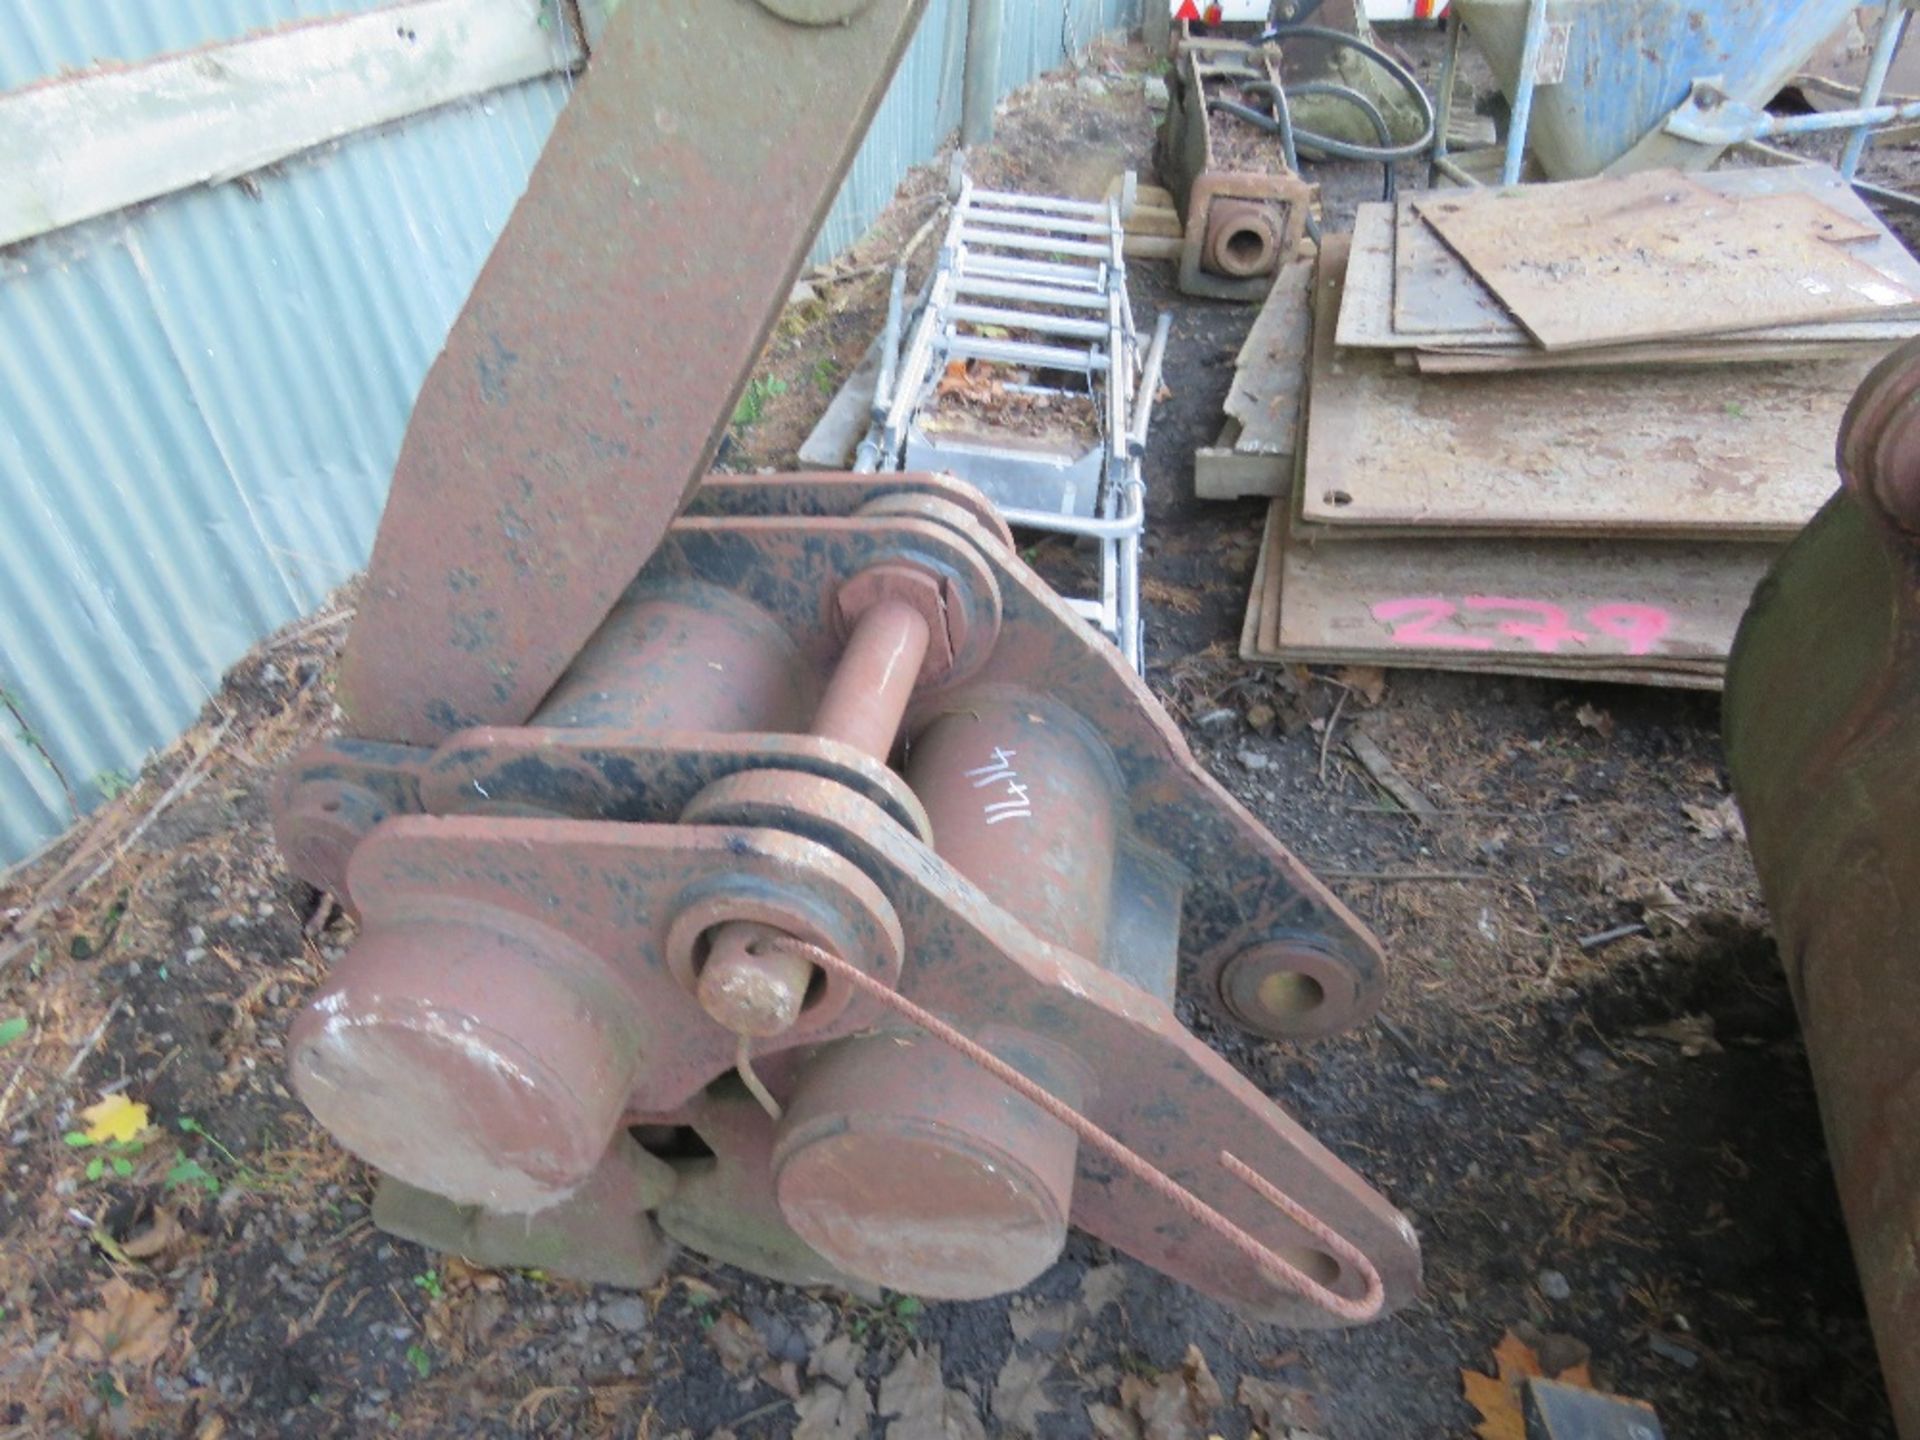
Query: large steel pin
(747, 984)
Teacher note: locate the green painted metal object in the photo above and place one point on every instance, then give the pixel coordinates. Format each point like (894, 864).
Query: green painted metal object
(1823, 738)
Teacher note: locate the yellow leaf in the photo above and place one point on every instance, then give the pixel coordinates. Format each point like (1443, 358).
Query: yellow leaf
(1499, 1407)
(1497, 1397)
(1515, 1358)
(114, 1118)
(131, 1327)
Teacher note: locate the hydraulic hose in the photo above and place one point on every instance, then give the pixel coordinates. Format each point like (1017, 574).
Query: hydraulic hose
(1375, 116)
(1403, 77)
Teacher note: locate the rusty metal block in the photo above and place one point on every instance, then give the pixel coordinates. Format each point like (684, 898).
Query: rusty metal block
(544, 909)
(1240, 224)
(1823, 740)
(795, 877)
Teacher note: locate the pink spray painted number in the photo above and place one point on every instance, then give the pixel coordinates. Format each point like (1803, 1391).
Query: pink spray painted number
(1412, 621)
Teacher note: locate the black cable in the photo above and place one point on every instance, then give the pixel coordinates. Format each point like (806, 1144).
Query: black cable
(1389, 186)
(1403, 77)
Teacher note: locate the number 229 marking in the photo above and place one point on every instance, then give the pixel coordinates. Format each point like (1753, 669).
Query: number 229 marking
(1412, 620)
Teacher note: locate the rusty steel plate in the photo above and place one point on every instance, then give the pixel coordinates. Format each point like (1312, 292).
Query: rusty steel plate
(1139, 1073)
(584, 389)
(1247, 888)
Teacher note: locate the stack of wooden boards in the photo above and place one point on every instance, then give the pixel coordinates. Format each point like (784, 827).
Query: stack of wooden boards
(1623, 402)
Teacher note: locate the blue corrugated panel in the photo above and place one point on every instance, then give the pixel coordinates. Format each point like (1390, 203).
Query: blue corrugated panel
(922, 107)
(201, 401)
(1041, 36)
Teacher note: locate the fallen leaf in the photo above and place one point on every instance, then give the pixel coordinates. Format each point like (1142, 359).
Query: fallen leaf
(1020, 1402)
(1111, 1424)
(1275, 1408)
(784, 1377)
(1177, 1405)
(1367, 682)
(1692, 1033)
(1661, 908)
(915, 1395)
(826, 1412)
(1719, 821)
(1590, 718)
(11, 1030)
(130, 1327)
(114, 1118)
(1046, 1327)
(837, 1360)
(164, 1233)
(1102, 1286)
(527, 1410)
(1497, 1396)
(737, 1343)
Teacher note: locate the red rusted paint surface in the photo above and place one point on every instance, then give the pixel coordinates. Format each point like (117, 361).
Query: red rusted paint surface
(910, 1167)
(1238, 225)
(1024, 807)
(585, 387)
(1085, 843)
(1823, 739)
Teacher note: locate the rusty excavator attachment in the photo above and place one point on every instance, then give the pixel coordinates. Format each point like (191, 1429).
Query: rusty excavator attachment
(1823, 741)
(775, 865)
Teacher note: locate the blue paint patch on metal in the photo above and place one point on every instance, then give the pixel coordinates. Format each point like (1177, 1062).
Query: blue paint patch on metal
(1630, 62)
(201, 401)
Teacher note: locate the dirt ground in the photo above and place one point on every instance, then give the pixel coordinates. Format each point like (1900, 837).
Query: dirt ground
(1610, 1147)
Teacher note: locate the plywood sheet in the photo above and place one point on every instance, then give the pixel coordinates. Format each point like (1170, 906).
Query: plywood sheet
(1710, 452)
(1435, 292)
(1258, 604)
(1271, 372)
(1438, 303)
(1716, 350)
(1658, 613)
(1365, 319)
(1653, 255)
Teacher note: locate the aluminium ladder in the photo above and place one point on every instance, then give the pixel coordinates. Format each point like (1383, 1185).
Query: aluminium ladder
(1029, 294)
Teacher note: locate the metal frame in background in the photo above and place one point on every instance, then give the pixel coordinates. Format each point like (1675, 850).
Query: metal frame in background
(1035, 285)
(1708, 116)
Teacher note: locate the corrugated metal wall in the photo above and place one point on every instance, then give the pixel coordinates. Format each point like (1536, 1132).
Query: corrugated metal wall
(922, 108)
(201, 399)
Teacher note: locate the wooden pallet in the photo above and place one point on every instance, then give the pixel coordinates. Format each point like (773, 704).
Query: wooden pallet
(1255, 452)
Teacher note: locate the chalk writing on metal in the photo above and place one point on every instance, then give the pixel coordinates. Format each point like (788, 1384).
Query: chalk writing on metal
(999, 771)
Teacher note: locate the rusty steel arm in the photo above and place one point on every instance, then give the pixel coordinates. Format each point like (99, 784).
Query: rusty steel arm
(586, 385)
